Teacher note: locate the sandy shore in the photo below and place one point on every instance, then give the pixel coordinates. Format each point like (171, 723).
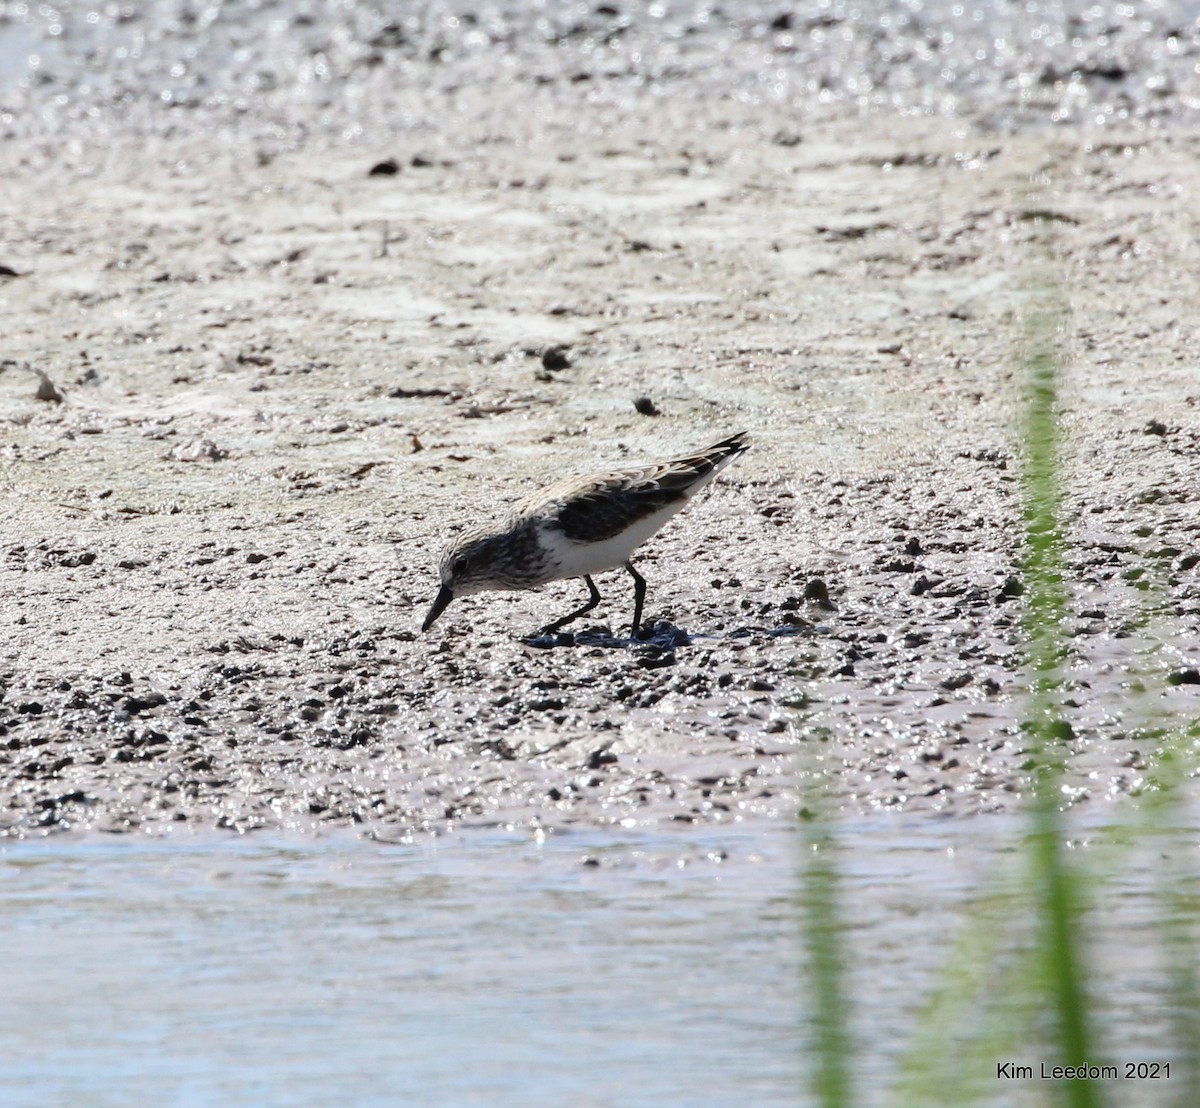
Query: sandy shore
(285, 380)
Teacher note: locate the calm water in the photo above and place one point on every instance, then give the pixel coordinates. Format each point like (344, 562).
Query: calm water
(488, 971)
(496, 970)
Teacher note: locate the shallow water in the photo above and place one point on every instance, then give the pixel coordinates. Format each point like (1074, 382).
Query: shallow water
(494, 971)
(645, 968)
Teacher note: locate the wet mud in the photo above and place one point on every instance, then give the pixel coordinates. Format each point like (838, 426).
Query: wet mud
(252, 381)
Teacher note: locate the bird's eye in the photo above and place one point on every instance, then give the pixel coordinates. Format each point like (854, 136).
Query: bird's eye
(458, 565)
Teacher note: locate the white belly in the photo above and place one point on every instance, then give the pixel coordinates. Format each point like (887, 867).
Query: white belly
(578, 558)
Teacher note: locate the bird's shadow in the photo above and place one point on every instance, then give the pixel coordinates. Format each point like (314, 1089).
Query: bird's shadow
(660, 637)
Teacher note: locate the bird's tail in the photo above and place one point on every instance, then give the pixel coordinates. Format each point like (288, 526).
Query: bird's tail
(694, 471)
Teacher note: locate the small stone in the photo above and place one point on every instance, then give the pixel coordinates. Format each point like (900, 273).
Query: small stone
(643, 405)
(47, 390)
(817, 592)
(198, 450)
(135, 704)
(1012, 587)
(601, 757)
(554, 358)
(1184, 677)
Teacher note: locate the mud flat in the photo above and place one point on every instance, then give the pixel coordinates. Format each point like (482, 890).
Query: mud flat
(275, 381)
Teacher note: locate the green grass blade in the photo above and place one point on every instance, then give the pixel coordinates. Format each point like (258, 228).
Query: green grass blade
(823, 933)
(1045, 614)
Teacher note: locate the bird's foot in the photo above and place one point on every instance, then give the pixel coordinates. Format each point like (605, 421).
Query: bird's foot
(598, 635)
(548, 638)
(661, 633)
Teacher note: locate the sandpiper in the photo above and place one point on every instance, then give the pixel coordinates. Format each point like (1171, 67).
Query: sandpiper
(578, 527)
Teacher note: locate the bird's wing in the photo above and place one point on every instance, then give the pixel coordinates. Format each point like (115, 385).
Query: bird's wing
(601, 507)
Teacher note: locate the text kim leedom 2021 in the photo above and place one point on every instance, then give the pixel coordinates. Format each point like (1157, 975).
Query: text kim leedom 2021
(1127, 1071)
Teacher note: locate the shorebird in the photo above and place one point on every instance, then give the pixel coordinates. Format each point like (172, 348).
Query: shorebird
(576, 528)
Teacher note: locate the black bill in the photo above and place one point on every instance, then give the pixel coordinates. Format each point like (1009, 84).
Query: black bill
(440, 604)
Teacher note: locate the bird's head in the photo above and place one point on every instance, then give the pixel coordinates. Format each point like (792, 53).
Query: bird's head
(469, 565)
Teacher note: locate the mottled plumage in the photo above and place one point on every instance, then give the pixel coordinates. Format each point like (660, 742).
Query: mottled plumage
(578, 527)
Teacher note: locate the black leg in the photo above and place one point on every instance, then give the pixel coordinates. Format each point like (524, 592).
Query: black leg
(593, 600)
(639, 595)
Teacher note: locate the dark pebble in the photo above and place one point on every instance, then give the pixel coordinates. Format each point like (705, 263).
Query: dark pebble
(643, 405)
(659, 661)
(135, 704)
(817, 592)
(1184, 677)
(47, 390)
(555, 358)
(389, 167)
(546, 704)
(601, 757)
(1011, 588)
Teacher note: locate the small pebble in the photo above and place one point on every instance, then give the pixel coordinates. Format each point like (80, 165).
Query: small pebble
(817, 592)
(47, 390)
(554, 358)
